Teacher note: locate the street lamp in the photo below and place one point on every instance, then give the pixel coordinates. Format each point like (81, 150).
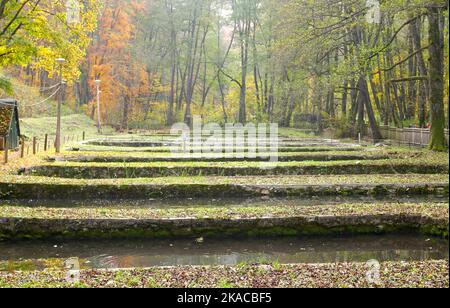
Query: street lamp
(99, 125)
(60, 62)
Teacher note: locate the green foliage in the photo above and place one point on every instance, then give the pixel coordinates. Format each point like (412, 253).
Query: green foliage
(35, 33)
(342, 128)
(5, 86)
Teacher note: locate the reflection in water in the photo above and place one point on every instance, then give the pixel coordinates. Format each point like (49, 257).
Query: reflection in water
(147, 253)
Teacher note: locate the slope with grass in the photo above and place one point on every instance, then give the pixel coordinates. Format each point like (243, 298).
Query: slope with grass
(72, 125)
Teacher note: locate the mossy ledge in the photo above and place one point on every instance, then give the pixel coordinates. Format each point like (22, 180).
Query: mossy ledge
(20, 228)
(99, 149)
(109, 172)
(10, 191)
(168, 143)
(169, 158)
(136, 144)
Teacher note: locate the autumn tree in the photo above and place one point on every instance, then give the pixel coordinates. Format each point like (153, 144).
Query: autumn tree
(111, 60)
(34, 33)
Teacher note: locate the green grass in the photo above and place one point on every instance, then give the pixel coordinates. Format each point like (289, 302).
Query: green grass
(72, 125)
(34, 187)
(92, 222)
(296, 133)
(437, 164)
(427, 209)
(167, 157)
(166, 149)
(29, 96)
(363, 152)
(431, 161)
(233, 180)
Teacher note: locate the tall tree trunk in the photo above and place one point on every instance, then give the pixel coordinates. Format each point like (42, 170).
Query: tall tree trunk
(344, 100)
(412, 85)
(421, 66)
(319, 115)
(222, 97)
(244, 37)
(384, 113)
(290, 110)
(126, 109)
(173, 69)
(364, 91)
(437, 142)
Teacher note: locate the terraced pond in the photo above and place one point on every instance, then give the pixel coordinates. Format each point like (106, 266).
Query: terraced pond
(126, 202)
(151, 253)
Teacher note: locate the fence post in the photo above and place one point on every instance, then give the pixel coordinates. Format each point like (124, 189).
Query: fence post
(22, 148)
(45, 142)
(84, 136)
(34, 145)
(5, 147)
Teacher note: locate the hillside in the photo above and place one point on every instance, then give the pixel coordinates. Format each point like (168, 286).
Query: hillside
(74, 124)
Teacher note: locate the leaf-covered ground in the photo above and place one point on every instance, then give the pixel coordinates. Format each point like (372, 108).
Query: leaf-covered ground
(430, 210)
(428, 161)
(161, 169)
(244, 180)
(94, 148)
(161, 157)
(430, 274)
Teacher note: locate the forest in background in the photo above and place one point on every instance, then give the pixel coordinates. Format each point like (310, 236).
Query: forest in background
(322, 64)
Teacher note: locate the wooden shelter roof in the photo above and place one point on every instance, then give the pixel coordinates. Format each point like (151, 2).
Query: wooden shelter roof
(7, 108)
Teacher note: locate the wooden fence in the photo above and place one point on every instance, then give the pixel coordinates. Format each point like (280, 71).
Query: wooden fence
(409, 136)
(36, 145)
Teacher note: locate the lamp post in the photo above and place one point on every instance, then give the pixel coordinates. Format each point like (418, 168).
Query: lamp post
(99, 124)
(60, 62)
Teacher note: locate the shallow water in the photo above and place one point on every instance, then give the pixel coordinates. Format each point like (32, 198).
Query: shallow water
(149, 253)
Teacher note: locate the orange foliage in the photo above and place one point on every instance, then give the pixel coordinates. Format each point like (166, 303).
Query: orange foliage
(123, 77)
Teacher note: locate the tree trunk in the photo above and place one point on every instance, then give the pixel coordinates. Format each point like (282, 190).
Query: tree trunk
(436, 76)
(421, 66)
(173, 69)
(364, 93)
(126, 107)
(344, 100)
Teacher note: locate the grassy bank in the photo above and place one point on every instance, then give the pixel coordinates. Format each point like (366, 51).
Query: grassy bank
(74, 124)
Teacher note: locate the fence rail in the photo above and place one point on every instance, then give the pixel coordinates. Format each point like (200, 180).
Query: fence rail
(34, 146)
(410, 136)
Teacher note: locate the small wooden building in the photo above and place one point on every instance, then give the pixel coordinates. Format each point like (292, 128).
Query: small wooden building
(9, 124)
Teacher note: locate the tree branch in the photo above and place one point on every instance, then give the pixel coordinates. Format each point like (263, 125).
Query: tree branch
(231, 78)
(392, 39)
(402, 61)
(413, 78)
